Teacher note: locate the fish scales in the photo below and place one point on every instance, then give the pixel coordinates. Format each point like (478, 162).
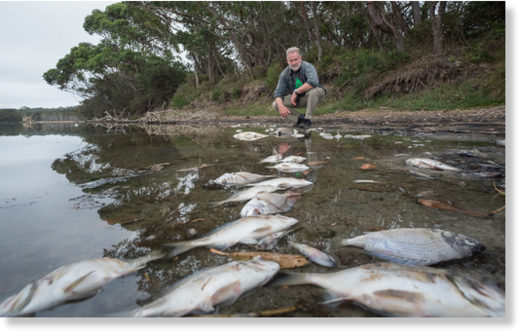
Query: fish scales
(206, 289)
(414, 291)
(416, 246)
(238, 178)
(269, 203)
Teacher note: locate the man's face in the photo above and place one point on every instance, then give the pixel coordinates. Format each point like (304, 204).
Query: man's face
(294, 60)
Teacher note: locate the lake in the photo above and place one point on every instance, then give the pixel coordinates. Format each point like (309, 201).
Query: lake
(70, 193)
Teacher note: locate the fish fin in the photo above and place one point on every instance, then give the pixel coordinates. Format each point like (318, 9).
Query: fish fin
(69, 288)
(228, 293)
(263, 229)
(13, 305)
(333, 299)
(179, 247)
(214, 204)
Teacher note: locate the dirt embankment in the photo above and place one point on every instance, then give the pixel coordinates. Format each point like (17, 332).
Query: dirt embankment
(483, 120)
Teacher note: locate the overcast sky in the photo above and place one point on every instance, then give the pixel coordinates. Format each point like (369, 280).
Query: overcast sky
(33, 37)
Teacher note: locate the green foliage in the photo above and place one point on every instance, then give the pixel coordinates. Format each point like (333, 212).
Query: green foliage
(10, 116)
(272, 75)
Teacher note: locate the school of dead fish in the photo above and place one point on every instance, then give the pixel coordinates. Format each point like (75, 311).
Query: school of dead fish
(404, 286)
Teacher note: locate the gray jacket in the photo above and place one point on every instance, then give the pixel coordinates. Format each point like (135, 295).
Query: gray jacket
(286, 83)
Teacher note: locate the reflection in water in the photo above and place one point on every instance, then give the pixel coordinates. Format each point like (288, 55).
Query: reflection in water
(150, 183)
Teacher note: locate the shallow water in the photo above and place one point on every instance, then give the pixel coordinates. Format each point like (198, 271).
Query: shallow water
(74, 193)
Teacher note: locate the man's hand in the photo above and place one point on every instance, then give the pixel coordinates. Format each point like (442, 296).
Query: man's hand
(294, 96)
(283, 147)
(284, 111)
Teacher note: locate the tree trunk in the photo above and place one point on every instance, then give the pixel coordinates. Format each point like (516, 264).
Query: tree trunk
(438, 38)
(416, 12)
(377, 16)
(306, 20)
(316, 29)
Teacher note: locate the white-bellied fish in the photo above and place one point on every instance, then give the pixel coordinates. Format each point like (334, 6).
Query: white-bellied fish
(246, 194)
(360, 137)
(430, 163)
(290, 167)
(326, 135)
(69, 283)
(247, 230)
(412, 291)
(249, 136)
(416, 246)
(204, 290)
(270, 203)
(293, 158)
(282, 183)
(315, 255)
(238, 178)
(272, 159)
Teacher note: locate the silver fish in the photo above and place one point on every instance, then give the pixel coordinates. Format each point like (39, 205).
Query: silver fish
(246, 194)
(315, 255)
(69, 283)
(326, 135)
(430, 163)
(282, 183)
(416, 246)
(247, 230)
(210, 287)
(272, 159)
(412, 291)
(361, 137)
(249, 136)
(238, 178)
(293, 158)
(290, 167)
(270, 203)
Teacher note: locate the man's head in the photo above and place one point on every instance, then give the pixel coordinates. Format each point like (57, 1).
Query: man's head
(294, 58)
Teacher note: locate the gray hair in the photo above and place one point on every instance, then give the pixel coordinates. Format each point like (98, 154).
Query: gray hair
(293, 50)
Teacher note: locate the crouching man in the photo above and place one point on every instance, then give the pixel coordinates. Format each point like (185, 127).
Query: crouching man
(300, 81)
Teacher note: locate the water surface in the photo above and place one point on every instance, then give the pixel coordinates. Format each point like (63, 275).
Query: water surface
(74, 193)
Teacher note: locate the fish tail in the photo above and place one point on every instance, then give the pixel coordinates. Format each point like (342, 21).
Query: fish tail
(143, 260)
(214, 204)
(180, 247)
(290, 278)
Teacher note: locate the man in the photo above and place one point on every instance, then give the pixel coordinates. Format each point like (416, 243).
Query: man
(300, 81)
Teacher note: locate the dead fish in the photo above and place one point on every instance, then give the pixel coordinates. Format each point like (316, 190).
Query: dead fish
(238, 178)
(270, 203)
(431, 203)
(293, 158)
(430, 163)
(247, 230)
(249, 136)
(315, 255)
(416, 246)
(360, 137)
(290, 167)
(246, 194)
(282, 183)
(270, 241)
(411, 291)
(326, 135)
(71, 282)
(285, 261)
(272, 159)
(365, 181)
(206, 289)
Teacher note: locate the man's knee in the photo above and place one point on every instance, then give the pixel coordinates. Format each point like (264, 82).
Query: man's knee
(316, 93)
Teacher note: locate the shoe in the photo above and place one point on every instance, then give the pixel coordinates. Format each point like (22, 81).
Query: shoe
(301, 118)
(305, 124)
